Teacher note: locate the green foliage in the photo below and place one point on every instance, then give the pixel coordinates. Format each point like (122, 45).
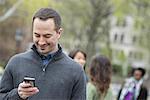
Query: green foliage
(117, 69)
(105, 51)
(121, 56)
(85, 22)
(28, 7)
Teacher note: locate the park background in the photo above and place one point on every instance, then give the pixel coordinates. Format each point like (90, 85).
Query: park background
(118, 29)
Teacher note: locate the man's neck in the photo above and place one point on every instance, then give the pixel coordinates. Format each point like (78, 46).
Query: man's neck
(55, 50)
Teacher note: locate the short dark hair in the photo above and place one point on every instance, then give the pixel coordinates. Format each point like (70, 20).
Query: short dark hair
(73, 53)
(46, 13)
(142, 70)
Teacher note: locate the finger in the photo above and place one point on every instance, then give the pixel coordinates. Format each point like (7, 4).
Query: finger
(29, 89)
(26, 92)
(25, 85)
(22, 86)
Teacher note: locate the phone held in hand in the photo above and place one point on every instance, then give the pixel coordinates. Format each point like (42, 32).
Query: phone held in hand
(30, 80)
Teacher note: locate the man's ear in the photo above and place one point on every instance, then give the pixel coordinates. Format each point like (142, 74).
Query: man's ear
(60, 31)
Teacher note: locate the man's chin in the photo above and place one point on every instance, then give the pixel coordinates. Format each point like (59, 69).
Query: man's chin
(43, 52)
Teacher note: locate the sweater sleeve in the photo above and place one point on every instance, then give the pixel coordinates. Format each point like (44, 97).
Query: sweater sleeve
(79, 88)
(12, 95)
(7, 91)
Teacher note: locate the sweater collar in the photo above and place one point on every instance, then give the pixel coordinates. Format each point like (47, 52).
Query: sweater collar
(53, 55)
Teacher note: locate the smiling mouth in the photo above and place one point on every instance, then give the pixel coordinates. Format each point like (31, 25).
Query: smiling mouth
(42, 48)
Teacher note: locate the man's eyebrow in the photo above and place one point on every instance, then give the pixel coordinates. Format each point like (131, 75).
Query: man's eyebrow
(36, 33)
(48, 34)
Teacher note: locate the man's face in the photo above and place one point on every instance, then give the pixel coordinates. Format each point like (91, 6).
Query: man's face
(45, 36)
(137, 74)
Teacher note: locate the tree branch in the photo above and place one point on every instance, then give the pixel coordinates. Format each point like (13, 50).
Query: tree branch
(10, 11)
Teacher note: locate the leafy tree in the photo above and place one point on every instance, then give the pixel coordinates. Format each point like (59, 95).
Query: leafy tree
(8, 25)
(142, 21)
(86, 22)
(99, 25)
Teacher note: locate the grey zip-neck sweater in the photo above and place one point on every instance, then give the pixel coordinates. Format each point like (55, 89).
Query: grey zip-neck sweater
(61, 79)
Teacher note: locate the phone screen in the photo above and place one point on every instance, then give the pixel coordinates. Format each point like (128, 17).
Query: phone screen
(30, 80)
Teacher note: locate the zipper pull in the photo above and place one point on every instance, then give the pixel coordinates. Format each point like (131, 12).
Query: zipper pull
(43, 69)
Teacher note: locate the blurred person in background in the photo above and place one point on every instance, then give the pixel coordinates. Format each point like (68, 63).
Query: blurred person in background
(98, 88)
(80, 57)
(57, 77)
(133, 88)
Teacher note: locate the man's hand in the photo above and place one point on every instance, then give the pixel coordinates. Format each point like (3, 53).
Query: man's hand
(26, 89)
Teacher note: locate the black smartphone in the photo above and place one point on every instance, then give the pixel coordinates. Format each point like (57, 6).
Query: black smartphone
(30, 80)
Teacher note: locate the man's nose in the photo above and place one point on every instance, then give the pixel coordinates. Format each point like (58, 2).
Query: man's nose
(42, 41)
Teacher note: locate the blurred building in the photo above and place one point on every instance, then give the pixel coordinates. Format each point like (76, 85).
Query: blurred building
(125, 42)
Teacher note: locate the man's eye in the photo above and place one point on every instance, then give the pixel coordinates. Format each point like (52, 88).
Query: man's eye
(48, 36)
(37, 35)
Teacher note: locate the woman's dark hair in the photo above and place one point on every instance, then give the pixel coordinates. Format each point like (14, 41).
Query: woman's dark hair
(73, 53)
(100, 71)
(46, 13)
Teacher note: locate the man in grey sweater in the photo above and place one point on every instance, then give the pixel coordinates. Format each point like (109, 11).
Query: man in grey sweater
(57, 77)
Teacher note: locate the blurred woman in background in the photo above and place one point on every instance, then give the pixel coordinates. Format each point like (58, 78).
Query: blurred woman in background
(100, 71)
(80, 57)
